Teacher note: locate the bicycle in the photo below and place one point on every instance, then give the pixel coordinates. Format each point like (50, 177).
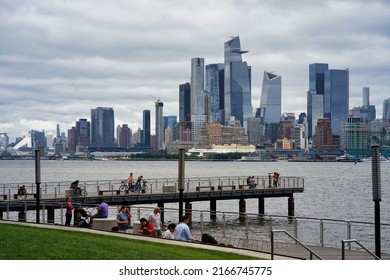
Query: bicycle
(79, 192)
(143, 187)
(126, 186)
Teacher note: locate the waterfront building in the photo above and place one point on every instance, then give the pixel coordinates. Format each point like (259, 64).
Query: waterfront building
(197, 86)
(355, 137)
(102, 127)
(237, 84)
(38, 140)
(170, 129)
(83, 132)
(124, 135)
(323, 137)
(386, 114)
(214, 85)
(255, 130)
(159, 125)
(4, 140)
(146, 128)
(315, 95)
(185, 112)
(336, 98)
(72, 139)
(271, 98)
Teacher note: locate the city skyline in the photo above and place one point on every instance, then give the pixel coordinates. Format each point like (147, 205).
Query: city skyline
(58, 59)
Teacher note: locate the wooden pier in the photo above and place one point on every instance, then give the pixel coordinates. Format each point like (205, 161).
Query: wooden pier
(159, 191)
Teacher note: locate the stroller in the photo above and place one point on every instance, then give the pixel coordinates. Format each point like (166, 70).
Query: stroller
(82, 219)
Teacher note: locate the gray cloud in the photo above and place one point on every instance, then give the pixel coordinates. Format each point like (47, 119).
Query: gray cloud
(59, 59)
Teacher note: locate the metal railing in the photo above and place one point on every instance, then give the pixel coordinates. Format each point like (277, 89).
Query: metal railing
(357, 242)
(296, 241)
(154, 185)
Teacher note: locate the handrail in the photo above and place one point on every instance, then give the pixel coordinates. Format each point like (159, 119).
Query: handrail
(295, 239)
(349, 241)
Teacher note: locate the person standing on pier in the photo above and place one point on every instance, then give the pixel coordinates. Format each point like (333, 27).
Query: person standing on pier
(182, 230)
(69, 209)
(130, 180)
(155, 219)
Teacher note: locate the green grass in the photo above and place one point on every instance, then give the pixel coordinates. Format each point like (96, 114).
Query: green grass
(19, 242)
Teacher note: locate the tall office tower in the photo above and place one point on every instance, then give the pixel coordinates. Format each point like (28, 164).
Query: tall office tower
(58, 133)
(315, 96)
(38, 140)
(102, 127)
(198, 95)
(124, 136)
(159, 125)
(146, 129)
(215, 91)
(271, 98)
(83, 132)
(237, 84)
(185, 112)
(197, 86)
(366, 96)
(72, 139)
(386, 113)
(336, 98)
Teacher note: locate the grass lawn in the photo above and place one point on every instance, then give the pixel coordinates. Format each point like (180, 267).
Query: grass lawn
(18, 242)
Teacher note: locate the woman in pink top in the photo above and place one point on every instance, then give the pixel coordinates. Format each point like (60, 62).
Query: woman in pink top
(69, 209)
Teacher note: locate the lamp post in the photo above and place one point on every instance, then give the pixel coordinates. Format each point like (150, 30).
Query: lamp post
(37, 181)
(376, 195)
(181, 181)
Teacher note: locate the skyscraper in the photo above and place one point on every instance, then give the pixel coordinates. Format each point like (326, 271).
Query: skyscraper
(328, 96)
(237, 84)
(315, 96)
(386, 113)
(215, 91)
(271, 98)
(336, 98)
(159, 125)
(185, 112)
(197, 86)
(146, 128)
(83, 132)
(102, 127)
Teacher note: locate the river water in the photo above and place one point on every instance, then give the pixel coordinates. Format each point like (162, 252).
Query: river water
(333, 190)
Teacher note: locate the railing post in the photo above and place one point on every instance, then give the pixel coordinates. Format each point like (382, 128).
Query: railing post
(272, 245)
(322, 233)
(201, 222)
(223, 224)
(349, 234)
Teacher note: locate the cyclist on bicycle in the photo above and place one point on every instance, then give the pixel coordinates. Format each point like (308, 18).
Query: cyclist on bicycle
(130, 181)
(75, 187)
(139, 182)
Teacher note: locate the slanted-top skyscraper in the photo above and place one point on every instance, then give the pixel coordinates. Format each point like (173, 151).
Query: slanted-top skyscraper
(238, 103)
(271, 98)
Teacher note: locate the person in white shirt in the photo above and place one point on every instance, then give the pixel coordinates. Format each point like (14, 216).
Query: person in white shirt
(155, 220)
(182, 231)
(170, 232)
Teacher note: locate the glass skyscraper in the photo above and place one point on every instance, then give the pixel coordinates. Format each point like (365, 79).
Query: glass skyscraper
(159, 125)
(146, 128)
(102, 127)
(328, 96)
(214, 89)
(386, 113)
(197, 86)
(315, 95)
(237, 84)
(271, 98)
(336, 98)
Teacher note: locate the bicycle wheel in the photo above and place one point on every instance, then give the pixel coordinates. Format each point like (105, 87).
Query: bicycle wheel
(122, 188)
(84, 193)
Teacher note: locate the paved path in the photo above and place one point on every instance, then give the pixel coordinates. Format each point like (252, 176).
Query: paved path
(292, 250)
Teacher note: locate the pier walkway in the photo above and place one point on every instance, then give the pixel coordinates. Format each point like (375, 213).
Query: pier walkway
(159, 191)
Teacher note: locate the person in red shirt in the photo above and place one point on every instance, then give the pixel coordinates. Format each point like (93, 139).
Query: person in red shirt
(146, 227)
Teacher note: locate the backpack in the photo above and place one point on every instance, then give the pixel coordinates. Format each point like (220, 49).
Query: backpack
(208, 239)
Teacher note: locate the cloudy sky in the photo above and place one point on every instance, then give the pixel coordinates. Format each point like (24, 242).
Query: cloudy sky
(60, 58)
